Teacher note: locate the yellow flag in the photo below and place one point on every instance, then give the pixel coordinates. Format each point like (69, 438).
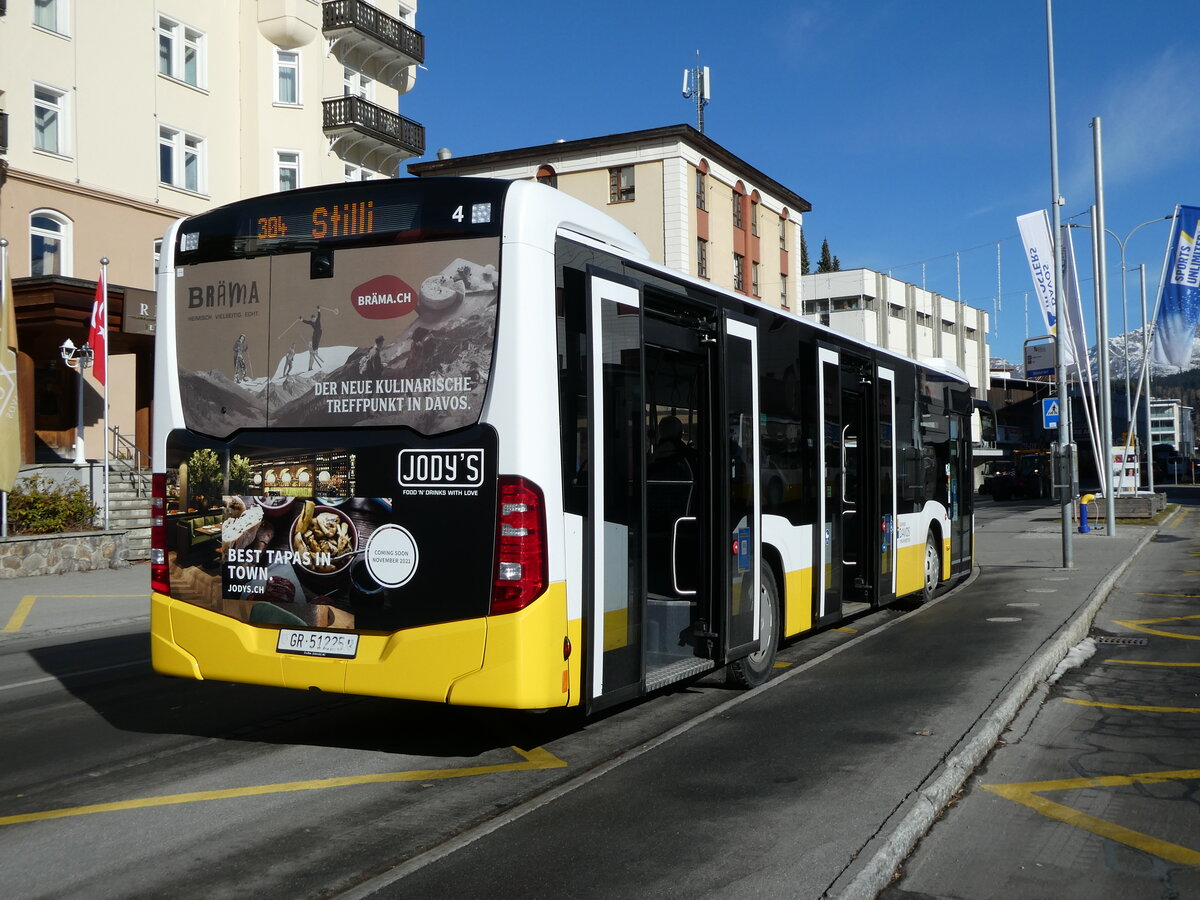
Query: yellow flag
(10, 417)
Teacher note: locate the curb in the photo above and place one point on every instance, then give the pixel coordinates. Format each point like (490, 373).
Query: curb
(928, 802)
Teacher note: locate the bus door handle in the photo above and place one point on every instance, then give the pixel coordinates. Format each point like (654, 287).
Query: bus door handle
(688, 533)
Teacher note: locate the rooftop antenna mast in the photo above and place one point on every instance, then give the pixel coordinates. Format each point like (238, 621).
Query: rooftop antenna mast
(696, 87)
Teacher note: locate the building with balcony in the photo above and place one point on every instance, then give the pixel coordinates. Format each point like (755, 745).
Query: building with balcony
(117, 118)
(696, 206)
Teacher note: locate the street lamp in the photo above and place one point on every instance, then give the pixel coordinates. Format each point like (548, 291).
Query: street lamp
(79, 359)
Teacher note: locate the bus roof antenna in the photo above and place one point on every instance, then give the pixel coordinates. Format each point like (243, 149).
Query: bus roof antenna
(696, 84)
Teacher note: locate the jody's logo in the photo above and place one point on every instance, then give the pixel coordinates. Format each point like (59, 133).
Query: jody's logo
(231, 293)
(385, 297)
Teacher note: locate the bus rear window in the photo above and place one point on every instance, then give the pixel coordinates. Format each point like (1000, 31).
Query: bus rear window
(396, 335)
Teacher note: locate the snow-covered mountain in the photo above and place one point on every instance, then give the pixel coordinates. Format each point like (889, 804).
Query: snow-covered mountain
(1133, 340)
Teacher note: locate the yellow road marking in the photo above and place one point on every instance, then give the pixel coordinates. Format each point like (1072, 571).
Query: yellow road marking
(17, 619)
(1027, 795)
(1143, 662)
(782, 665)
(534, 759)
(1140, 624)
(847, 630)
(1133, 708)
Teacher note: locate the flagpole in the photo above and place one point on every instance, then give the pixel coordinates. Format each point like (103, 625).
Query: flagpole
(1065, 499)
(104, 325)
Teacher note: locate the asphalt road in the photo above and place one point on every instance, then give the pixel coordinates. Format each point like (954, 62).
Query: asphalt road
(1094, 790)
(115, 782)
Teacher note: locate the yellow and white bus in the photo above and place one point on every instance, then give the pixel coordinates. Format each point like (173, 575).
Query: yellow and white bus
(460, 440)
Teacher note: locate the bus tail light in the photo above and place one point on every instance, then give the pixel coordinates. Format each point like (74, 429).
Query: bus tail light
(160, 578)
(521, 570)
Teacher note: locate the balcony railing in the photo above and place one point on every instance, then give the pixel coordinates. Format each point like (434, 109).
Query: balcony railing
(376, 44)
(369, 135)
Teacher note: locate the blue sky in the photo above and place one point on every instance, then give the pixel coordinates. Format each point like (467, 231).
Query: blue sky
(918, 129)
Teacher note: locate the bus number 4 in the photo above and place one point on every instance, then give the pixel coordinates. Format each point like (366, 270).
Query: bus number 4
(457, 215)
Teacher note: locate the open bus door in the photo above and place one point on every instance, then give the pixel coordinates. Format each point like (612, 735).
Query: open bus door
(856, 542)
(672, 534)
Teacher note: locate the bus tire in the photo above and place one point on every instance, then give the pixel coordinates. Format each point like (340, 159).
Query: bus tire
(751, 671)
(933, 569)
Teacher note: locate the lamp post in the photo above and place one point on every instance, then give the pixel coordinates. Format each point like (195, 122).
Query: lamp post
(79, 359)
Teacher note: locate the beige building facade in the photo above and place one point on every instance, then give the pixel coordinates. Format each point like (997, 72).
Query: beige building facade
(696, 206)
(902, 317)
(118, 117)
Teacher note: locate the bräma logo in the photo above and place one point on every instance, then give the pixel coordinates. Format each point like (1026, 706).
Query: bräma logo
(385, 297)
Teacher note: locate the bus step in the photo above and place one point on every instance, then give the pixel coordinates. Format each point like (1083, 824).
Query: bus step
(677, 671)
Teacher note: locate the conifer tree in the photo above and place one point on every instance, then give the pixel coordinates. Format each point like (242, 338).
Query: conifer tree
(804, 266)
(825, 264)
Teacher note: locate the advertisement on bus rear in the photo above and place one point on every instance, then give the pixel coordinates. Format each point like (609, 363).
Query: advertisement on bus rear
(379, 536)
(358, 336)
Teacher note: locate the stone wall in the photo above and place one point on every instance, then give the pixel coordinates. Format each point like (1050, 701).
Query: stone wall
(53, 554)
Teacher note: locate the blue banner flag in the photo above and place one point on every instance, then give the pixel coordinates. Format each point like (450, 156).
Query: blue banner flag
(1179, 299)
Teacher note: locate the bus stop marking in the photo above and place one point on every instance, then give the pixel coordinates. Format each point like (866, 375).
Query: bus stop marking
(1027, 794)
(1132, 707)
(1140, 624)
(535, 759)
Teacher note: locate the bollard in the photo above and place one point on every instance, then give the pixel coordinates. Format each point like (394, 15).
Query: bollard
(1083, 513)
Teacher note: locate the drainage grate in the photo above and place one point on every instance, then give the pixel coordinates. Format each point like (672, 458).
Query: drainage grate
(1124, 641)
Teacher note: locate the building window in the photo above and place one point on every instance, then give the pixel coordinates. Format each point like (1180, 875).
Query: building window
(51, 15)
(357, 173)
(356, 84)
(754, 219)
(783, 234)
(287, 78)
(702, 257)
(783, 297)
(739, 279)
(897, 312)
(157, 253)
(49, 119)
(181, 159)
(754, 279)
(49, 243)
(701, 191)
(737, 210)
(180, 52)
(547, 176)
(287, 170)
(620, 184)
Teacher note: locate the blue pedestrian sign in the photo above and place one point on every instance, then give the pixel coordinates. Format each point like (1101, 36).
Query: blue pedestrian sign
(1050, 413)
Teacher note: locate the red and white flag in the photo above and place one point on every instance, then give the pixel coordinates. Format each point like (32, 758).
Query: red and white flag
(98, 332)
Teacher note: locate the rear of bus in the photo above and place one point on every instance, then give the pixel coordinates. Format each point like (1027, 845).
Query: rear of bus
(343, 501)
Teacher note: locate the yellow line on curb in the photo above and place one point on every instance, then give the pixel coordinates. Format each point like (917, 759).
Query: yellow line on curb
(1133, 708)
(17, 619)
(1027, 795)
(534, 759)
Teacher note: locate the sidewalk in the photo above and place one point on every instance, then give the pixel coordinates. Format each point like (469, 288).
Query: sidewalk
(819, 783)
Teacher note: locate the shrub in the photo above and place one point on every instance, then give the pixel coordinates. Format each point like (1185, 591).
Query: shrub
(38, 505)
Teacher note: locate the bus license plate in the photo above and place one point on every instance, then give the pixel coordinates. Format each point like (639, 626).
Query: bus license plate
(317, 643)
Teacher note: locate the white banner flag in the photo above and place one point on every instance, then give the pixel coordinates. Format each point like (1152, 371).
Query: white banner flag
(1039, 250)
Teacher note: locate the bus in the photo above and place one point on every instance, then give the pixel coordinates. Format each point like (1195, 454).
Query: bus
(460, 440)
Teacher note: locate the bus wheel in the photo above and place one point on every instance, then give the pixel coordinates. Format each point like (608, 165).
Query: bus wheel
(933, 569)
(753, 670)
